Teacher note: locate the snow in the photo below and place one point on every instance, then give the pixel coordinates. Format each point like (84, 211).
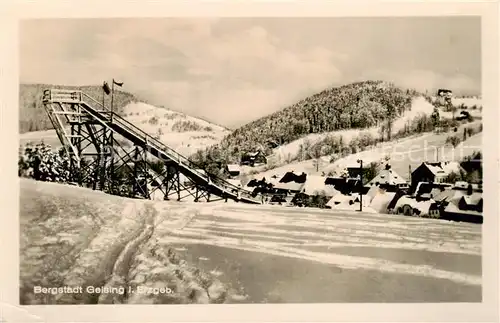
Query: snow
(419, 106)
(186, 142)
(178, 225)
(468, 102)
(233, 168)
(387, 176)
(466, 148)
(381, 201)
(315, 185)
(423, 206)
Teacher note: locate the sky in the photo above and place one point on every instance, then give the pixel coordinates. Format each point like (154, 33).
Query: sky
(234, 70)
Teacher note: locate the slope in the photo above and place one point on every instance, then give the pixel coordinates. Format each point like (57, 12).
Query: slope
(354, 106)
(400, 153)
(72, 236)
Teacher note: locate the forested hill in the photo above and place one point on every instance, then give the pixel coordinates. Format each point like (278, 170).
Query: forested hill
(356, 105)
(32, 115)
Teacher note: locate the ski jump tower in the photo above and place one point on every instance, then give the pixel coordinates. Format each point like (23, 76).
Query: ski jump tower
(101, 144)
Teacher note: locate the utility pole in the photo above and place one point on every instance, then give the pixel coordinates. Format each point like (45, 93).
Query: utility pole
(361, 184)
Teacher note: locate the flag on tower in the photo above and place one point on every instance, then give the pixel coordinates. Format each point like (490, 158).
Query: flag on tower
(106, 88)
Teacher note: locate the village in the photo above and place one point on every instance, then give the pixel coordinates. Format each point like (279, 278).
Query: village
(432, 190)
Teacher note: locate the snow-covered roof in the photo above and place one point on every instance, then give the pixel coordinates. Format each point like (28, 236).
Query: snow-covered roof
(422, 206)
(233, 167)
(473, 199)
(339, 199)
(381, 201)
(444, 168)
(453, 208)
(315, 185)
(387, 176)
(253, 153)
(291, 186)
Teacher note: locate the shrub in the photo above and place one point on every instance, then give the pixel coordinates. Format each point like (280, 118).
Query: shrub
(183, 126)
(453, 140)
(43, 164)
(153, 120)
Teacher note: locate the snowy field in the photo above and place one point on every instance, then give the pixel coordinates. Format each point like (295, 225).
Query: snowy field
(236, 253)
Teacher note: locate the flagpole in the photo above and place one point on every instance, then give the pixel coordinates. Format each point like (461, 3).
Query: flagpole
(111, 134)
(112, 95)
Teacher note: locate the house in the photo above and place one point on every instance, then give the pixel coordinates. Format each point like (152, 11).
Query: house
(316, 185)
(288, 188)
(380, 201)
(434, 173)
(253, 158)
(391, 206)
(354, 170)
(387, 177)
(343, 202)
(445, 93)
(233, 170)
(290, 183)
(346, 185)
(473, 202)
(430, 188)
(410, 206)
(339, 199)
(467, 208)
(259, 186)
(444, 96)
(292, 177)
(464, 115)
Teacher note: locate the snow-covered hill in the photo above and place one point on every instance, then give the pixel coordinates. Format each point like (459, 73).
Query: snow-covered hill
(179, 131)
(291, 150)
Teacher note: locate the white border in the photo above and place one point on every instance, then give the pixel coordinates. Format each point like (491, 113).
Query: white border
(486, 311)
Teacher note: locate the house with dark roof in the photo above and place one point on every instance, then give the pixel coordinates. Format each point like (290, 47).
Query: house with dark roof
(233, 170)
(444, 96)
(253, 158)
(288, 188)
(467, 208)
(434, 173)
(354, 170)
(292, 177)
(346, 185)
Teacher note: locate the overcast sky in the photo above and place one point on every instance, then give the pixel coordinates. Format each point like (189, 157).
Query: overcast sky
(234, 70)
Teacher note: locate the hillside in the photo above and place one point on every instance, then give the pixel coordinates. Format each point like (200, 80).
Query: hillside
(179, 131)
(354, 106)
(400, 153)
(32, 115)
